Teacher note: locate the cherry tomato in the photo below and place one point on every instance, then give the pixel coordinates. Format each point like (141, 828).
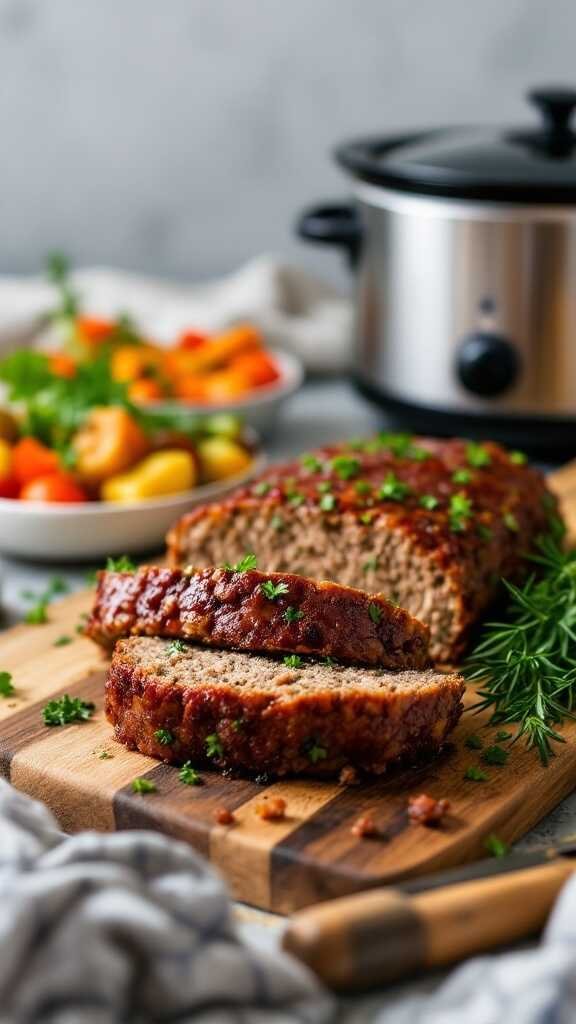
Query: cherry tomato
(58, 487)
(94, 330)
(190, 340)
(258, 366)
(31, 459)
(63, 365)
(145, 390)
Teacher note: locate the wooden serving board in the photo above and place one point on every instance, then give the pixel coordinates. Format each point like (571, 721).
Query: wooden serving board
(283, 865)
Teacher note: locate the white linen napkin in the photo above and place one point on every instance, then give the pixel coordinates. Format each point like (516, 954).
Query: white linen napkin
(296, 311)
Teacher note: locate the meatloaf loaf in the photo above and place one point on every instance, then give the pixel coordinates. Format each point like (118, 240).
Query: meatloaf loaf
(250, 610)
(432, 524)
(258, 714)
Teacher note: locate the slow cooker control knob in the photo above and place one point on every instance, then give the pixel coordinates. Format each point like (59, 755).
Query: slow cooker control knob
(487, 364)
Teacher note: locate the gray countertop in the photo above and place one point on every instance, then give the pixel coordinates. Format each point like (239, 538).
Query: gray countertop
(323, 411)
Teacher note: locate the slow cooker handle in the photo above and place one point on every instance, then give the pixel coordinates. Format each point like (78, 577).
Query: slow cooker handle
(556, 106)
(332, 224)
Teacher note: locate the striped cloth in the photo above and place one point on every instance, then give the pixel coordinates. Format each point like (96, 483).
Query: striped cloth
(129, 927)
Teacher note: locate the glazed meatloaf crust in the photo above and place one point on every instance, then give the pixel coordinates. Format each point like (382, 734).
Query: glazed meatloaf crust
(431, 524)
(256, 611)
(254, 713)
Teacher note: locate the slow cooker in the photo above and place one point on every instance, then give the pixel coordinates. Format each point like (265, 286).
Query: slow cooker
(463, 243)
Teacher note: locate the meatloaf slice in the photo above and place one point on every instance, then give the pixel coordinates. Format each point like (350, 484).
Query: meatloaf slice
(433, 525)
(257, 611)
(258, 714)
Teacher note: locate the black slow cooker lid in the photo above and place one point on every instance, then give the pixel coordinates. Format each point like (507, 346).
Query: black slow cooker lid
(532, 164)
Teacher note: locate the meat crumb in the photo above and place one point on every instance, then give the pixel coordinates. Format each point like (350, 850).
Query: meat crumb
(364, 826)
(425, 810)
(348, 776)
(284, 678)
(271, 808)
(223, 816)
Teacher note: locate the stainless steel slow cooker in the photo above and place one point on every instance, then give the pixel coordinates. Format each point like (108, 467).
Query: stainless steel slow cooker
(464, 245)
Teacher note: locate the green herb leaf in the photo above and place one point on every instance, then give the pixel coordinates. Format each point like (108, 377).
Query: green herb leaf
(370, 565)
(261, 489)
(503, 735)
(188, 775)
(277, 524)
(362, 487)
(296, 498)
(495, 755)
(459, 512)
(292, 661)
(143, 786)
(38, 615)
(345, 466)
(315, 751)
(429, 502)
(484, 531)
(496, 847)
(245, 564)
(292, 614)
(327, 502)
(273, 590)
(329, 662)
(7, 687)
(473, 774)
(473, 742)
(518, 458)
(393, 489)
(66, 709)
(121, 564)
(366, 518)
(461, 476)
(511, 522)
(477, 455)
(375, 612)
(214, 746)
(62, 641)
(164, 737)
(324, 487)
(311, 463)
(105, 756)
(176, 647)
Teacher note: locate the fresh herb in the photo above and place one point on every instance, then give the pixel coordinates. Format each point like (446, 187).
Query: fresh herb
(105, 756)
(329, 662)
(402, 446)
(366, 518)
(526, 664)
(296, 498)
(238, 724)
(261, 489)
(393, 489)
(62, 641)
(503, 735)
(143, 786)
(511, 522)
(311, 463)
(495, 755)
(327, 502)
(57, 585)
(345, 466)
(474, 774)
(245, 564)
(188, 775)
(273, 590)
(428, 501)
(164, 737)
(292, 661)
(277, 523)
(38, 615)
(7, 687)
(518, 458)
(66, 709)
(175, 647)
(473, 742)
(292, 614)
(121, 564)
(496, 847)
(484, 531)
(374, 612)
(315, 751)
(477, 455)
(362, 487)
(214, 746)
(324, 487)
(459, 512)
(461, 476)
(370, 565)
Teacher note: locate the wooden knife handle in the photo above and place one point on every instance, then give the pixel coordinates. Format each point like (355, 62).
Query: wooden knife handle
(383, 935)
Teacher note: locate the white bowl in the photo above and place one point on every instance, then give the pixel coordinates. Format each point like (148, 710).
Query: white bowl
(73, 533)
(261, 407)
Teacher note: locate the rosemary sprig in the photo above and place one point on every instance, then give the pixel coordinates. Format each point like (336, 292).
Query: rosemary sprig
(526, 665)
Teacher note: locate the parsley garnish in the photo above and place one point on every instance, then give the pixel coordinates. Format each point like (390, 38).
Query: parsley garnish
(315, 751)
(277, 523)
(292, 614)
(477, 455)
(324, 486)
(273, 590)
(37, 615)
(121, 564)
(484, 531)
(402, 446)
(495, 755)
(296, 498)
(475, 774)
(461, 476)
(473, 742)
(345, 466)
(428, 501)
(366, 518)
(143, 786)
(105, 756)
(238, 724)
(459, 512)
(362, 487)
(261, 489)
(511, 522)
(244, 565)
(62, 641)
(188, 775)
(214, 746)
(164, 737)
(175, 647)
(393, 489)
(311, 463)
(292, 661)
(6, 685)
(518, 458)
(327, 502)
(66, 709)
(330, 662)
(374, 612)
(503, 735)
(370, 565)
(497, 847)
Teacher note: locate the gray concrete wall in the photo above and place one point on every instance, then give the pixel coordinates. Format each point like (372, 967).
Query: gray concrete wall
(182, 136)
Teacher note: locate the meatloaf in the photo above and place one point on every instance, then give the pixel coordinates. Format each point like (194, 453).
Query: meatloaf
(259, 714)
(432, 524)
(250, 610)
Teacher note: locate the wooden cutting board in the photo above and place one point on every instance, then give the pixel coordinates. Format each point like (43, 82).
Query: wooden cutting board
(282, 865)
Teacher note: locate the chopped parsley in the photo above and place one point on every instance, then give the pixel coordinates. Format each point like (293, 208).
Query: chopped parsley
(143, 786)
(503, 735)
(477, 455)
(473, 742)
(345, 466)
(511, 522)
(62, 641)
(366, 518)
(296, 498)
(327, 502)
(273, 590)
(7, 687)
(459, 512)
(164, 737)
(261, 489)
(402, 446)
(66, 709)
(518, 458)
(495, 755)
(496, 847)
(461, 476)
(311, 463)
(121, 564)
(238, 724)
(37, 615)
(292, 614)
(374, 612)
(474, 774)
(429, 502)
(362, 487)
(484, 531)
(315, 751)
(292, 661)
(329, 662)
(393, 489)
(175, 647)
(105, 756)
(214, 746)
(277, 523)
(324, 487)
(244, 565)
(370, 565)
(188, 775)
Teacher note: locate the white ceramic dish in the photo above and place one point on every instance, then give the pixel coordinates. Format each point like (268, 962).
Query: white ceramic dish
(261, 408)
(79, 533)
